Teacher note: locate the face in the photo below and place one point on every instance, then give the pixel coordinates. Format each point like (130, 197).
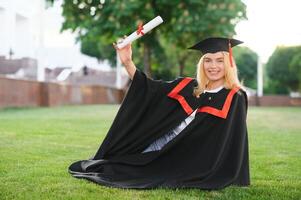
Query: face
(214, 66)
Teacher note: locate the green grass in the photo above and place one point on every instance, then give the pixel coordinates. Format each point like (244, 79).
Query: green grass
(38, 144)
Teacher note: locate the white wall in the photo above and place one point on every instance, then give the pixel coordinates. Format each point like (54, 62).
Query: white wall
(17, 32)
(3, 34)
(33, 31)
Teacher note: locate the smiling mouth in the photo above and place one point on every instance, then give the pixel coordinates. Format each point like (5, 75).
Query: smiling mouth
(213, 72)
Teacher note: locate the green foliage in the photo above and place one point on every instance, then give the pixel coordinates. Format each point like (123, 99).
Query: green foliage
(246, 61)
(295, 67)
(99, 24)
(38, 144)
(282, 77)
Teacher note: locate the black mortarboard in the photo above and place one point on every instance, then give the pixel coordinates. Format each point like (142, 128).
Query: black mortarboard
(215, 44)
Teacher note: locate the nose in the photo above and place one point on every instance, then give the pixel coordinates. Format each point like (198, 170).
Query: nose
(214, 64)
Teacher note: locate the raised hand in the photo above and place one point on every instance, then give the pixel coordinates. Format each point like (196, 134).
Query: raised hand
(125, 55)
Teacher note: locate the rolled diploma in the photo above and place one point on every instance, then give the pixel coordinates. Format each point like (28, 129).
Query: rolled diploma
(146, 28)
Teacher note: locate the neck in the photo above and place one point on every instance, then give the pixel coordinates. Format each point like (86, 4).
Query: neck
(215, 84)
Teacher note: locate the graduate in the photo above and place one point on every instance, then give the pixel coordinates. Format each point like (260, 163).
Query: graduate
(185, 133)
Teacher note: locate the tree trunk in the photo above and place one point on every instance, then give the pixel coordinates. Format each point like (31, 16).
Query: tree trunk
(182, 65)
(147, 60)
(181, 68)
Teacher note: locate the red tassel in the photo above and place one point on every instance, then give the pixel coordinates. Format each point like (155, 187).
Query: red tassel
(230, 54)
(140, 29)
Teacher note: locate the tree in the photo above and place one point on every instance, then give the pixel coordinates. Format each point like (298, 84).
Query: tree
(295, 67)
(190, 21)
(246, 61)
(281, 78)
(99, 23)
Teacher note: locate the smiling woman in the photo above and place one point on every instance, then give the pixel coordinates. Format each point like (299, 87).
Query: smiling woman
(185, 133)
(216, 67)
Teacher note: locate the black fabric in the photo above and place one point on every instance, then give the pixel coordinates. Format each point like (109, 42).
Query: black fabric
(210, 153)
(215, 44)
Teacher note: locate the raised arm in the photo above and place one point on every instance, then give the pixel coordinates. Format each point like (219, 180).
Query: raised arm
(125, 55)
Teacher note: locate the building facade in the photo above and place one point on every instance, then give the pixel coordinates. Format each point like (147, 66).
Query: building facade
(30, 30)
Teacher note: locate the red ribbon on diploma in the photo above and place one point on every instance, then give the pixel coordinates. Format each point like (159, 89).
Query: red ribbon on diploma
(140, 29)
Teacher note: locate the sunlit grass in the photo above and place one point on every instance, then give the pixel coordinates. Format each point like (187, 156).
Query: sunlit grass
(38, 144)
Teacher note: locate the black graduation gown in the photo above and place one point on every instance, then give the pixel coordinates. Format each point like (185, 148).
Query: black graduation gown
(210, 153)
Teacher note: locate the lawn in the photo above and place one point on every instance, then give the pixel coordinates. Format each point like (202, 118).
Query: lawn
(38, 144)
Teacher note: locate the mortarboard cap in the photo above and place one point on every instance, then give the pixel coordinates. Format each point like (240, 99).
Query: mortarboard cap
(215, 44)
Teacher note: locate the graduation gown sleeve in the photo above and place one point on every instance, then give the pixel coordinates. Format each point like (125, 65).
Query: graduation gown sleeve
(139, 119)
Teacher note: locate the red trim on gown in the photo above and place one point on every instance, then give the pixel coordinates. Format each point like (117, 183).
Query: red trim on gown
(208, 109)
(174, 94)
(226, 107)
